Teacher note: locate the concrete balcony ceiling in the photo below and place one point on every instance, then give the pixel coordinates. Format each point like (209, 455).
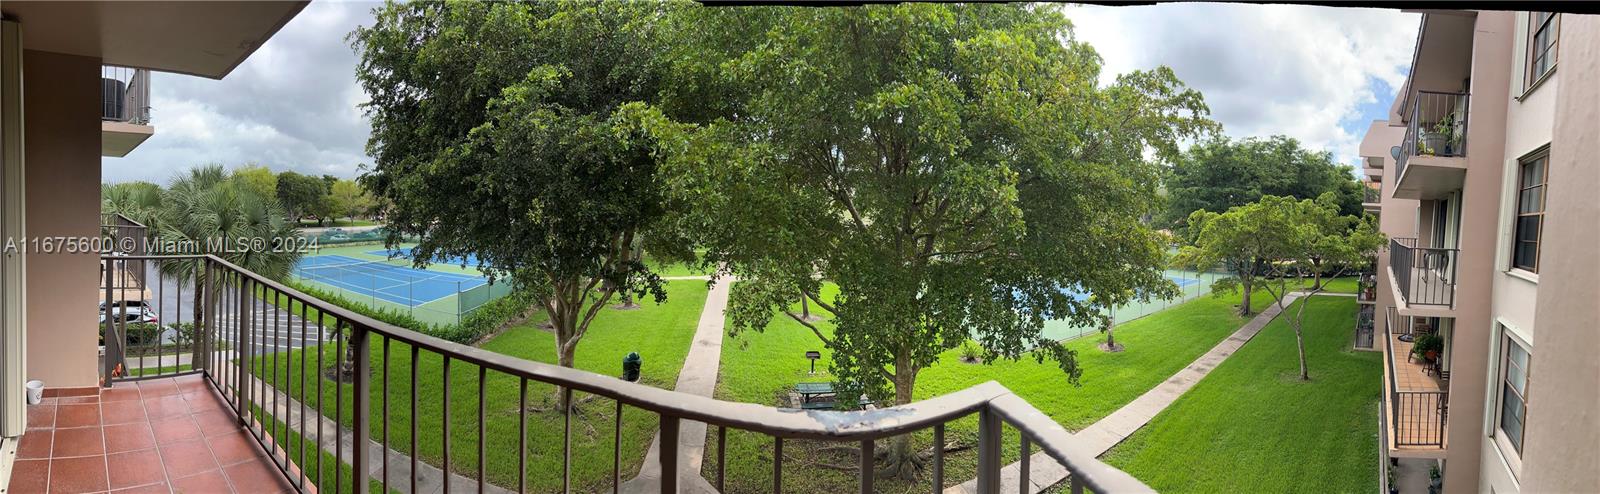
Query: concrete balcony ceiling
(206, 39)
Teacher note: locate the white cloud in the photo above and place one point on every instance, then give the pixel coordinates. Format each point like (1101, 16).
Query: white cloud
(1302, 71)
(290, 106)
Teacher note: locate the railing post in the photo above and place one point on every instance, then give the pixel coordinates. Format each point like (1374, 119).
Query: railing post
(202, 315)
(112, 342)
(669, 454)
(360, 459)
(243, 340)
(989, 430)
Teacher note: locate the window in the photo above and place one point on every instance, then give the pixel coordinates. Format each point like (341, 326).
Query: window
(1513, 392)
(1542, 30)
(1532, 174)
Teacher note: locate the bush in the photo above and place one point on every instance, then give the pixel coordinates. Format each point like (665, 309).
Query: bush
(474, 325)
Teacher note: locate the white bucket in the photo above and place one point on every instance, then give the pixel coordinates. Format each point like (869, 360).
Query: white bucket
(35, 391)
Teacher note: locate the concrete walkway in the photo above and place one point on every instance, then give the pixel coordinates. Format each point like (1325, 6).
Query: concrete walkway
(1102, 435)
(698, 376)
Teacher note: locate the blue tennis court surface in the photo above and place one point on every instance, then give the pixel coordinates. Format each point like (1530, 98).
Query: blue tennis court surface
(469, 260)
(398, 284)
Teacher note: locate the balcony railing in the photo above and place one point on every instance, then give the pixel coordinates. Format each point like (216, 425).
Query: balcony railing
(1425, 275)
(1438, 127)
(1417, 414)
(246, 328)
(1371, 192)
(124, 94)
(1364, 326)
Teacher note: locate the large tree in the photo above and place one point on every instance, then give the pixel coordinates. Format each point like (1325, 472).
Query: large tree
(1285, 241)
(515, 132)
(1221, 173)
(954, 169)
(347, 198)
(302, 195)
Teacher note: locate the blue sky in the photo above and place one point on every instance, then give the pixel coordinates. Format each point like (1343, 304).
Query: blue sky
(1318, 74)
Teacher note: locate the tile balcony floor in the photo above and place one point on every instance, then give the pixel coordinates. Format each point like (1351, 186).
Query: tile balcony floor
(1418, 416)
(159, 435)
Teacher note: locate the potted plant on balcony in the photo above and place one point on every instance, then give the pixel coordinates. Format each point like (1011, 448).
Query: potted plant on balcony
(1440, 139)
(1428, 346)
(1435, 483)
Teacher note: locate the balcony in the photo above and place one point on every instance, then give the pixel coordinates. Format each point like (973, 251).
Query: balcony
(1423, 278)
(124, 109)
(1372, 196)
(1432, 160)
(232, 335)
(1418, 398)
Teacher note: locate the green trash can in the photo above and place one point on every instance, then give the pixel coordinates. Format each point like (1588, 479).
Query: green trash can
(630, 367)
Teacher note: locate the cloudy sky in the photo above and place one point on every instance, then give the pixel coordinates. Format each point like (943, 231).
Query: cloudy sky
(1315, 73)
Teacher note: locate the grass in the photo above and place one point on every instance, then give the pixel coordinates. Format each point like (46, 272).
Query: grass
(761, 367)
(1253, 426)
(661, 334)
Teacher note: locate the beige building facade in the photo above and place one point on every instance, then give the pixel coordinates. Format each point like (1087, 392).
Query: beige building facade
(1486, 305)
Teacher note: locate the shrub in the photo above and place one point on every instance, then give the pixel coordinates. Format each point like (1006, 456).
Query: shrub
(474, 325)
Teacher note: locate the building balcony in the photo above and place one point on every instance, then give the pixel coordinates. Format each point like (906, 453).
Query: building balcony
(228, 338)
(173, 434)
(1433, 157)
(1422, 278)
(1416, 403)
(1372, 196)
(124, 109)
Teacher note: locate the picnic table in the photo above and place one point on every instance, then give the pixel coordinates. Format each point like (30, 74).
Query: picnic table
(815, 396)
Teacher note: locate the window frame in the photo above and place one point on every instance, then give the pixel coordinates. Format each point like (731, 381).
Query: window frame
(1541, 158)
(1551, 53)
(1507, 342)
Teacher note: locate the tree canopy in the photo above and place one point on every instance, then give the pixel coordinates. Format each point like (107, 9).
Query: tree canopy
(1221, 173)
(302, 195)
(515, 132)
(954, 169)
(1284, 240)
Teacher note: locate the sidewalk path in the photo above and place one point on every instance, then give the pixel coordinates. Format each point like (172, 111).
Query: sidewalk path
(699, 376)
(1100, 436)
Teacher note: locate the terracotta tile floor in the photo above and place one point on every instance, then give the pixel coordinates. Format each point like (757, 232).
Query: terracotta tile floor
(141, 437)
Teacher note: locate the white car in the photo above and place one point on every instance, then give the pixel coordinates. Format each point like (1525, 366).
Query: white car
(132, 314)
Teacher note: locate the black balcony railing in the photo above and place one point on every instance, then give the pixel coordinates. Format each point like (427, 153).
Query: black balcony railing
(1438, 127)
(1371, 192)
(1416, 416)
(1364, 326)
(1425, 275)
(243, 331)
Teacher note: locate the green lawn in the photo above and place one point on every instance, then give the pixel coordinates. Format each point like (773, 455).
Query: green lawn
(660, 333)
(761, 367)
(1253, 426)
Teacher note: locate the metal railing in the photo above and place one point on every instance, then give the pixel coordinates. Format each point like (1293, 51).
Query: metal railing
(1364, 326)
(249, 327)
(1417, 417)
(1438, 127)
(1425, 275)
(124, 94)
(1371, 192)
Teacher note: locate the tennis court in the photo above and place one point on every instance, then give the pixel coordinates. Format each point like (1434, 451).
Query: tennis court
(1190, 285)
(392, 283)
(468, 260)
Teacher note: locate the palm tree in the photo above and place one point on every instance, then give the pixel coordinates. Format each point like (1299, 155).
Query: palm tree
(206, 213)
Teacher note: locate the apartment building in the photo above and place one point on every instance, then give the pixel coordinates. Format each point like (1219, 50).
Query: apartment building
(202, 415)
(1485, 302)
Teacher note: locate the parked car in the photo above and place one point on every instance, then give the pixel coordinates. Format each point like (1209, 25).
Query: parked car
(137, 304)
(131, 314)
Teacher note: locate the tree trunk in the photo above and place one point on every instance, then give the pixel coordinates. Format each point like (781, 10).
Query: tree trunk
(1299, 340)
(566, 354)
(901, 462)
(1249, 287)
